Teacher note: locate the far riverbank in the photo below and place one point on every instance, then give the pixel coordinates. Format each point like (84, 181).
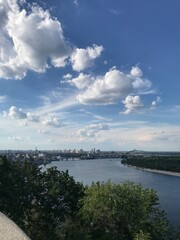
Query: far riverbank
(174, 174)
(166, 165)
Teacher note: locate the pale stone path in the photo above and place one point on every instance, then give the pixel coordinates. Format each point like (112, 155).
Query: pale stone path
(9, 230)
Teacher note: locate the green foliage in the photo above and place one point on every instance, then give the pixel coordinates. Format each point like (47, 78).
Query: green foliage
(111, 211)
(166, 163)
(142, 236)
(73, 230)
(37, 201)
(51, 205)
(16, 183)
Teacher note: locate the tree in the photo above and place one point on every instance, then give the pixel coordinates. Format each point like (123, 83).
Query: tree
(55, 202)
(142, 236)
(39, 202)
(51, 205)
(123, 211)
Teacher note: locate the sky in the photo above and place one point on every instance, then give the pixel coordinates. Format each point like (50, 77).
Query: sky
(80, 74)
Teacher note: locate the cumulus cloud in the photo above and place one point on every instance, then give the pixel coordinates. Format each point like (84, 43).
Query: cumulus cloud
(19, 114)
(132, 103)
(82, 81)
(92, 130)
(16, 113)
(29, 40)
(34, 40)
(139, 83)
(111, 87)
(155, 102)
(67, 76)
(33, 117)
(107, 89)
(52, 121)
(84, 58)
(136, 72)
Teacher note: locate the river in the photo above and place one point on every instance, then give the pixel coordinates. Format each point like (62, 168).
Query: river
(87, 171)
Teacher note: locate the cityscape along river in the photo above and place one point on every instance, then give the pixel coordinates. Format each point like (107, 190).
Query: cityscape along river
(87, 171)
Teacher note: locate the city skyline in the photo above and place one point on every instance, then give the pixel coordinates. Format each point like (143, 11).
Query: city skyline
(82, 74)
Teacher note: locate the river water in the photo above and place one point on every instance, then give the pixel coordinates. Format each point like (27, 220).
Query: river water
(87, 171)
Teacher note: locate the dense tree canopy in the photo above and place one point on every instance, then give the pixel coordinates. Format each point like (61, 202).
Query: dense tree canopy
(123, 211)
(166, 163)
(37, 201)
(51, 205)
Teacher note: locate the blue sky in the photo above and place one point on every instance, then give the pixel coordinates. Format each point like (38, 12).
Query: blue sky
(85, 74)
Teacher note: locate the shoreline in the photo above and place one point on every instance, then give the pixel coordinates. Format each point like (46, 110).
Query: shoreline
(173, 174)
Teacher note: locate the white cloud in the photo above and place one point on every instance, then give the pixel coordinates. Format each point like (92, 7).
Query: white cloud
(36, 121)
(107, 89)
(16, 113)
(112, 87)
(132, 103)
(155, 102)
(52, 121)
(84, 58)
(92, 130)
(33, 117)
(67, 76)
(136, 72)
(82, 81)
(15, 138)
(139, 83)
(32, 38)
